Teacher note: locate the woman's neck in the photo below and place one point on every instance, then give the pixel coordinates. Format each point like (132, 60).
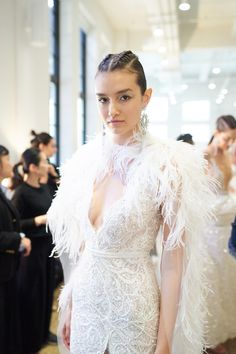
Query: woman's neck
(121, 139)
(33, 180)
(215, 151)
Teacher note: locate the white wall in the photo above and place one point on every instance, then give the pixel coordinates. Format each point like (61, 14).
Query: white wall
(24, 75)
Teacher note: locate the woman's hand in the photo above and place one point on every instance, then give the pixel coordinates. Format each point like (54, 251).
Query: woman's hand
(27, 246)
(40, 220)
(66, 329)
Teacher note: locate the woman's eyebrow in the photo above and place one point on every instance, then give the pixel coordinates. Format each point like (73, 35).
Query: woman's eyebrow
(117, 93)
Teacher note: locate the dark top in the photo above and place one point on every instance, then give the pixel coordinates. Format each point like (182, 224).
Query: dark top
(31, 202)
(9, 239)
(53, 181)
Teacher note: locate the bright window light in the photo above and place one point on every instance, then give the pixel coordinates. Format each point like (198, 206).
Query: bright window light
(157, 109)
(158, 130)
(200, 132)
(50, 3)
(196, 111)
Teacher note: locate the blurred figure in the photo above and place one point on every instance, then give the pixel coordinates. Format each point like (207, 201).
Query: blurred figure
(221, 271)
(232, 240)
(46, 143)
(225, 123)
(12, 244)
(186, 138)
(32, 200)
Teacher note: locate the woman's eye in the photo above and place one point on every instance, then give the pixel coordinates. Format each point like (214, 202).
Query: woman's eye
(125, 98)
(102, 100)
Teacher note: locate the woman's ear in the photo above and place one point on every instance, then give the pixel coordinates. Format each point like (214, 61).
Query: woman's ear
(146, 97)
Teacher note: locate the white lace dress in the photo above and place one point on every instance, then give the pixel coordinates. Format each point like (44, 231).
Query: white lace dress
(111, 281)
(221, 271)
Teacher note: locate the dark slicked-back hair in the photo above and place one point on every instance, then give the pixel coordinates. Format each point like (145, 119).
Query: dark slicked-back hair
(126, 60)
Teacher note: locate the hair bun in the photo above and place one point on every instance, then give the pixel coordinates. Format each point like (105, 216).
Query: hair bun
(33, 133)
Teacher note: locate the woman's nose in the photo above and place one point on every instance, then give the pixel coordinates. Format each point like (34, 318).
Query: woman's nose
(113, 109)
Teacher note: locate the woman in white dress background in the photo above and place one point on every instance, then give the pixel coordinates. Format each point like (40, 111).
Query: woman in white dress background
(221, 301)
(116, 193)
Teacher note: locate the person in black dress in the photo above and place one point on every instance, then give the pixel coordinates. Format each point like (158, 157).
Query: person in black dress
(33, 200)
(46, 143)
(12, 245)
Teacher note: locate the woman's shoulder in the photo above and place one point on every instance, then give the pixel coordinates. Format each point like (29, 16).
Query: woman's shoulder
(171, 151)
(81, 158)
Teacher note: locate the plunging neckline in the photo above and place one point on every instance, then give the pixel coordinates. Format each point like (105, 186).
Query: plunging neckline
(115, 149)
(106, 216)
(108, 213)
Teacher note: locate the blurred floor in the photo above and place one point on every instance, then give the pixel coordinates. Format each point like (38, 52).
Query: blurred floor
(52, 349)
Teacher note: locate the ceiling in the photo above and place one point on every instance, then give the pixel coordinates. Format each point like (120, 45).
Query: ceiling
(192, 42)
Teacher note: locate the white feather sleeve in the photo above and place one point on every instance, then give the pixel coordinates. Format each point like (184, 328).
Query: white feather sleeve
(185, 195)
(65, 213)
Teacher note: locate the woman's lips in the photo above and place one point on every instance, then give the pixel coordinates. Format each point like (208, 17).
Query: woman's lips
(115, 121)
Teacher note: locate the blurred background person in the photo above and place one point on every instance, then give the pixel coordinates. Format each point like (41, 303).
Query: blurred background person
(186, 138)
(12, 244)
(36, 279)
(221, 302)
(46, 143)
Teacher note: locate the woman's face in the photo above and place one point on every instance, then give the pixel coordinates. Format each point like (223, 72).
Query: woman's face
(120, 101)
(50, 149)
(5, 167)
(223, 140)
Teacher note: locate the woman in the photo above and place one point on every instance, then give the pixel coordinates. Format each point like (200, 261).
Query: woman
(36, 272)
(46, 143)
(222, 269)
(12, 244)
(115, 195)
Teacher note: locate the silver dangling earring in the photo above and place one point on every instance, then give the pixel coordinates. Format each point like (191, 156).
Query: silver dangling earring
(144, 122)
(103, 130)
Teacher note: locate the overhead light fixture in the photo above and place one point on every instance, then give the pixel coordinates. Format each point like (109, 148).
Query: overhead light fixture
(157, 32)
(216, 70)
(224, 91)
(212, 86)
(184, 6)
(234, 104)
(218, 101)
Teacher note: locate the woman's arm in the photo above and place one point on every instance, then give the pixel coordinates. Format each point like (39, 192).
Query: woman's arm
(171, 275)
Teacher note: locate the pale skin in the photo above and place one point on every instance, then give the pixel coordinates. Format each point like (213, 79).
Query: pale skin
(49, 150)
(217, 151)
(120, 103)
(6, 171)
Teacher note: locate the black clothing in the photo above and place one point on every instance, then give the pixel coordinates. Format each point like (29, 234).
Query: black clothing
(32, 202)
(53, 181)
(9, 239)
(9, 259)
(35, 276)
